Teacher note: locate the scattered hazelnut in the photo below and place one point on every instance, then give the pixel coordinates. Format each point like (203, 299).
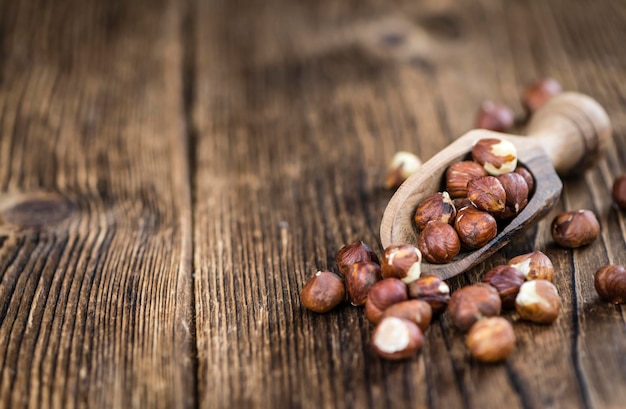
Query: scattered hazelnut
(539, 92)
(575, 228)
(359, 279)
(459, 173)
(535, 265)
(538, 301)
(397, 338)
(497, 156)
(491, 339)
(439, 243)
(402, 261)
(461, 202)
(437, 207)
(506, 280)
(619, 192)
(472, 303)
(487, 193)
(475, 227)
(495, 117)
(354, 253)
(528, 177)
(323, 292)
(383, 294)
(516, 190)
(433, 290)
(403, 164)
(610, 283)
(417, 311)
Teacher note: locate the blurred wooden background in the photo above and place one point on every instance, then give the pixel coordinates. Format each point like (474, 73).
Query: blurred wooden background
(172, 172)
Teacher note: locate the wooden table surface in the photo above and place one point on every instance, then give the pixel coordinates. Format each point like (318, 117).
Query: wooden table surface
(172, 172)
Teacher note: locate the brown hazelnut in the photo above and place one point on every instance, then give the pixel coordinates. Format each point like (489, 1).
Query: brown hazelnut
(438, 243)
(475, 227)
(403, 165)
(354, 253)
(610, 283)
(528, 177)
(417, 311)
(535, 265)
(472, 303)
(495, 117)
(506, 280)
(359, 279)
(383, 294)
(461, 202)
(459, 173)
(437, 207)
(433, 290)
(397, 338)
(516, 190)
(575, 228)
(538, 301)
(487, 193)
(539, 92)
(497, 156)
(323, 292)
(619, 192)
(491, 339)
(402, 261)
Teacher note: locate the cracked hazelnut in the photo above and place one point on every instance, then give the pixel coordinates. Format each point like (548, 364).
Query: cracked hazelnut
(433, 290)
(402, 261)
(539, 92)
(397, 338)
(538, 301)
(472, 303)
(506, 280)
(459, 173)
(487, 193)
(495, 117)
(516, 193)
(323, 292)
(436, 207)
(535, 265)
(359, 279)
(382, 295)
(619, 192)
(417, 311)
(575, 228)
(475, 227)
(610, 283)
(497, 156)
(403, 164)
(491, 339)
(528, 177)
(438, 243)
(354, 253)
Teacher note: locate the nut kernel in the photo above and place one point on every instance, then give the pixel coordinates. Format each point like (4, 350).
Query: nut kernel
(507, 281)
(397, 338)
(436, 207)
(610, 283)
(472, 303)
(487, 193)
(539, 92)
(619, 192)
(459, 173)
(538, 301)
(438, 242)
(383, 294)
(535, 265)
(354, 253)
(359, 279)
(323, 292)
(417, 311)
(433, 290)
(475, 227)
(402, 261)
(575, 228)
(402, 165)
(497, 156)
(495, 117)
(491, 339)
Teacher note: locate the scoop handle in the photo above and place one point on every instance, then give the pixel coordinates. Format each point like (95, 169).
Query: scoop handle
(573, 129)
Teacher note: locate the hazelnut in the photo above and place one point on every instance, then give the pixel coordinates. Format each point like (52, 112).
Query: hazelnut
(354, 253)
(472, 303)
(437, 207)
(459, 173)
(495, 117)
(461, 202)
(516, 190)
(528, 177)
(506, 280)
(610, 283)
(397, 338)
(323, 292)
(535, 265)
(575, 228)
(439, 242)
(475, 227)
(403, 164)
(619, 192)
(359, 279)
(433, 290)
(417, 311)
(497, 156)
(402, 261)
(487, 193)
(383, 294)
(539, 92)
(538, 301)
(491, 339)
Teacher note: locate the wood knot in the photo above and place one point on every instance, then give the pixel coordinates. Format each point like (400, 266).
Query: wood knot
(33, 210)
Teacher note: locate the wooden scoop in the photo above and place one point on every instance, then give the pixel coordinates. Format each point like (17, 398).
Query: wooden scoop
(566, 135)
